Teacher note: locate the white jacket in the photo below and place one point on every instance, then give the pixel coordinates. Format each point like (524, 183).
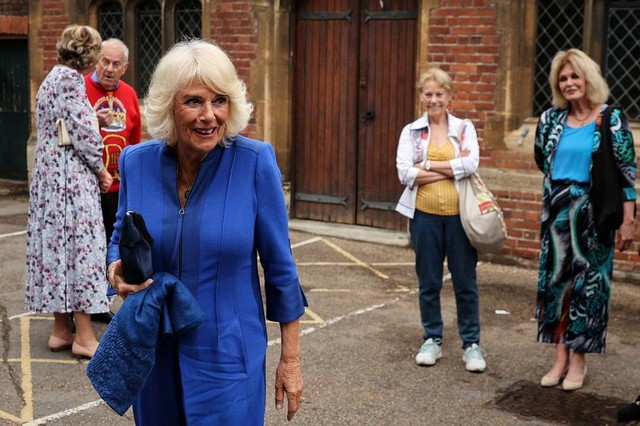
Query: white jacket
(412, 149)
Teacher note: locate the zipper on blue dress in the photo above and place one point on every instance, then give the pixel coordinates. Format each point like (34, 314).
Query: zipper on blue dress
(181, 213)
(180, 226)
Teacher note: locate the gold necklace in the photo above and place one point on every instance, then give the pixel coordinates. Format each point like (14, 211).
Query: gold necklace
(582, 120)
(188, 179)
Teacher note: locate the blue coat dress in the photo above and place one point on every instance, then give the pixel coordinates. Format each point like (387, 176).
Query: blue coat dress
(236, 210)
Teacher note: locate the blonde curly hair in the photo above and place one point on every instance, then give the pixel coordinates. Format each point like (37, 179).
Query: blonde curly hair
(79, 46)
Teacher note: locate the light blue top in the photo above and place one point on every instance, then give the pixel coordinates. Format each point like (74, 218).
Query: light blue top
(573, 156)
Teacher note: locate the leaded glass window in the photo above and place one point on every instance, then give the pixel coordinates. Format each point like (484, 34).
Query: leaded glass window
(188, 20)
(623, 56)
(560, 26)
(110, 20)
(148, 42)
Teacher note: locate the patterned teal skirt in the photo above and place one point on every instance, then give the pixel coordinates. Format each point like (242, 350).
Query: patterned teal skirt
(574, 283)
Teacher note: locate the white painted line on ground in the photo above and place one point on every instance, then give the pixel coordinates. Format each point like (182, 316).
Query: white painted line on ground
(332, 321)
(65, 413)
(26, 314)
(304, 243)
(330, 290)
(13, 234)
(305, 331)
(337, 319)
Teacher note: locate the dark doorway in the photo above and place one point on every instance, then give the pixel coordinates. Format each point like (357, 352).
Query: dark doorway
(14, 108)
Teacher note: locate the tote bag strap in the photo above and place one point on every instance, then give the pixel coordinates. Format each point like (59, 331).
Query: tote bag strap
(462, 127)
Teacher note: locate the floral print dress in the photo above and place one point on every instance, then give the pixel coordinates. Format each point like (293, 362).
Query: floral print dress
(66, 247)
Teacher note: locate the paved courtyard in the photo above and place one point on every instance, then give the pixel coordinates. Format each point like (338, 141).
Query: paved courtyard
(359, 337)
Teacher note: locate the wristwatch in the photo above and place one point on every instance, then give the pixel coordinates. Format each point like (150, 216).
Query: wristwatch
(427, 165)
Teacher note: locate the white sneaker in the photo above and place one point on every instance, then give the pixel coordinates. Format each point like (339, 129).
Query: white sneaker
(430, 352)
(474, 358)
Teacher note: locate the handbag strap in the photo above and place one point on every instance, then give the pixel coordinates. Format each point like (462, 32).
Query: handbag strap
(605, 128)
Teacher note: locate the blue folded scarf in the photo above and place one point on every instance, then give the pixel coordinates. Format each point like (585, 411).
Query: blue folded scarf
(126, 353)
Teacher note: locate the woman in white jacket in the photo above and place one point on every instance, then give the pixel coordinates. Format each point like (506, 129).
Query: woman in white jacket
(434, 153)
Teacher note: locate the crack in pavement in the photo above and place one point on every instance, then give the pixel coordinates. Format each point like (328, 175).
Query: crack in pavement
(5, 329)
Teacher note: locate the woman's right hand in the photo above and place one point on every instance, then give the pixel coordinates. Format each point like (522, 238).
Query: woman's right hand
(104, 180)
(117, 282)
(105, 117)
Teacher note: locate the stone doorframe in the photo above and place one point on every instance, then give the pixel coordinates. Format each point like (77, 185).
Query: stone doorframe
(270, 79)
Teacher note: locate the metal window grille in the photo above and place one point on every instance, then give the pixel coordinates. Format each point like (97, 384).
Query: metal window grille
(188, 20)
(622, 57)
(560, 26)
(110, 20)
(148, 42)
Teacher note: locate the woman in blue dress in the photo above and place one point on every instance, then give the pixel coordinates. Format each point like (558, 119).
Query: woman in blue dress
(576, 260)
(212, 201)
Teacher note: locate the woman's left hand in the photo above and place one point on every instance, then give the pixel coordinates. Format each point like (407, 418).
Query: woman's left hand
(289, 381)
(624, 236)
(115, 276)
(104, 180)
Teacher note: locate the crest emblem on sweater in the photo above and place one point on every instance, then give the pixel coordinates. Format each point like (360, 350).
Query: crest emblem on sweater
(119, 122)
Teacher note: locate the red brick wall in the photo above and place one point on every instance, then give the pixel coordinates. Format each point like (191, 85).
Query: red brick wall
(14, 25)
(14, 19)
(464, 41)
(234, 28)
(522, 216)
(55, 19)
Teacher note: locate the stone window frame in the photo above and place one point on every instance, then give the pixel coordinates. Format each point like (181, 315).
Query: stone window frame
(513, 126)
(167, 8)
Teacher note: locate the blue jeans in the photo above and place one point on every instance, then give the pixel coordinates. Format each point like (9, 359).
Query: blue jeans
(433, 238)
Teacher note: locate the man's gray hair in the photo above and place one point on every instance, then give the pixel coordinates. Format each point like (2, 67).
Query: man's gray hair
(114, 42)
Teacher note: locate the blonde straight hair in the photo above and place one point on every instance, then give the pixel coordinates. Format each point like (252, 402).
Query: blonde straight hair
(597, 90)
(185, 63)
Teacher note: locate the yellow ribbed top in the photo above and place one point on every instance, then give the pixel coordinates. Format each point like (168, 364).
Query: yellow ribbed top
(440, 197)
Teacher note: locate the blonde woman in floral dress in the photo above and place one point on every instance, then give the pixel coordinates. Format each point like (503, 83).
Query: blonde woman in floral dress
(66, 248)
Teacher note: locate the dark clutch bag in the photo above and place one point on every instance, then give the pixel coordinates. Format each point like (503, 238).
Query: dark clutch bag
(135, 249)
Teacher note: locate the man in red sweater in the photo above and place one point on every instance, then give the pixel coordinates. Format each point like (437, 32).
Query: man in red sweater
(118, 109)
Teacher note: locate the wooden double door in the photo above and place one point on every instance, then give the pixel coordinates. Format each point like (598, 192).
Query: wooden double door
(354, 90)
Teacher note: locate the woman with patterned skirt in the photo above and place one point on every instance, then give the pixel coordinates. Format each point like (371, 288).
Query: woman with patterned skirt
(576, 259)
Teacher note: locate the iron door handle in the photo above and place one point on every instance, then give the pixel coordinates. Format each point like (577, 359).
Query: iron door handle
(366, 116)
